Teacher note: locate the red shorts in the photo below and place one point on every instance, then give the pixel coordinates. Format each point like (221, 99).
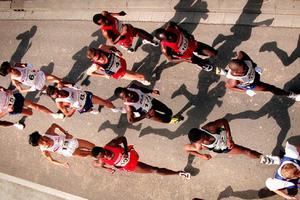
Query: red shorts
(134, 158)
(122, 71)
(128, 40)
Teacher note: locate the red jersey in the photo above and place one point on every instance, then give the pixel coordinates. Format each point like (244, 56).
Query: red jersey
(119, 160)
(183, 46)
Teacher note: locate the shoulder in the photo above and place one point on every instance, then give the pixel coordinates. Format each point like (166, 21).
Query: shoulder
(291, 151)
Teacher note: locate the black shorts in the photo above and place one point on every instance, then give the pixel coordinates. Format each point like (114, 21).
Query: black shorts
(18, 104)
(88, 103)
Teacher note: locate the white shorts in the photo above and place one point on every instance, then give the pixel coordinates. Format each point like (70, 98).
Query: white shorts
(69, 147)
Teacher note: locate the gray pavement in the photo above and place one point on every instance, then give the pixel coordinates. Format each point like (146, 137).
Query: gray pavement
(263, 122)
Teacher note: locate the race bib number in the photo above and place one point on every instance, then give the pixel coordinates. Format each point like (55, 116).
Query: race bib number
(31, 76)
(123, 161)
(184, 45)
(115, 64)
(146, 102)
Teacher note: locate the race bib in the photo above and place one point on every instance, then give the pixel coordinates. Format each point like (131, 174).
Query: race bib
(123, 161)
(115, 65)
(146, 102)
(31, 76)
(184, 45)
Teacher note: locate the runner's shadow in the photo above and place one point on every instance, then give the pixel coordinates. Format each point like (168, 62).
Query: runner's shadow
(281, 54)
(77, 73)
(247, 194)
(277, 108)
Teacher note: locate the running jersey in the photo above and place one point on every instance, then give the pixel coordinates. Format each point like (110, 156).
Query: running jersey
(5, 100)
(113, 64)
(120, 160)
(279, 182)
(220, 142)
(61, 145)
(248, 78)
(35, 79)
(183, 46)
(76, 98)
(144, 103)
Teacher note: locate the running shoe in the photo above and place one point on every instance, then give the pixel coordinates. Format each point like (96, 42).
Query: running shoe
(176, 119)
(58, 115)
(269, 160)
(294, 96)
(119, 109)
(185, 175)
(153, 43)
(221, 72)
(19, 126)
(94, 112)
(145, 82)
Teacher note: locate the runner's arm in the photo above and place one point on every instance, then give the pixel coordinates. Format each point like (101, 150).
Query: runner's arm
(283, 194)
(19, 86)
(92, 71)
(121, 13)
(47, 154)
(191, 149)
(68, 112)
(232, 85)
(99, 164)
(117, 141)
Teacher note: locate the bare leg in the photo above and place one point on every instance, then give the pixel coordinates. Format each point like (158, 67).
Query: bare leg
(271, 88)
(99, 101)
(26, 111)
(130, 75)
(143, 34)
(145, 168)
(52, 79)
(237, 149)
(6, 123)
(84, 144)
(206, 50)
(36, 106)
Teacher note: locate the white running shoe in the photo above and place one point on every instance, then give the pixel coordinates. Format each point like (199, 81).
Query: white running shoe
(221, 72)
(145, 82)
(19, 126)
(154, 43)
(269, 160)
(294, 96)
(94, 112)
(119, 109)
(58, 115)
(185, 175)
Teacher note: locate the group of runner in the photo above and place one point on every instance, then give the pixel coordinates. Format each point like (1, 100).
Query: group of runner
(242, 73)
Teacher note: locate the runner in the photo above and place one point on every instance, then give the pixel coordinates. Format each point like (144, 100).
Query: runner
(243, 75)
(113, 156)
(65, 145)
(25, 78)
(115, 32)
(216, 136)
(140, 104)
(180, 46)
(107, 62)
(68, 99)
(287, 175)
(16, 104)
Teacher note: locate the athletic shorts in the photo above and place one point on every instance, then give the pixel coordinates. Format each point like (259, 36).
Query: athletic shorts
(128, 40)
(18, 104)
(88, 103)
(252, 85)
(122, 71)
(222, 151)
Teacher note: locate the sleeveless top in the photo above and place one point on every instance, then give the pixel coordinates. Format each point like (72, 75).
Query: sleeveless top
(58, 143)
(119, 160)
(113, 63)
(76, 98)
(248, 78)
(182, 46)
(220, 142)
(144, 103)
(6, 99)
(31, 77)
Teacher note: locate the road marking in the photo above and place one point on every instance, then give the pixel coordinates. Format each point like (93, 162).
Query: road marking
(40, 188)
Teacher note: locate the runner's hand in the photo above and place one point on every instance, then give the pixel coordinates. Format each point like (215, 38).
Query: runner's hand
(230, 143)
(150, 113)
(206, 156)
(156, 92)
(110, 170)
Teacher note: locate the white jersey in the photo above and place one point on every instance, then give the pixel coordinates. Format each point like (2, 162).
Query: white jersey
(220, 142)
(35, 79)
(76, 98)
(61, 145)
(144, 103)
(5, 100)
(246, 79)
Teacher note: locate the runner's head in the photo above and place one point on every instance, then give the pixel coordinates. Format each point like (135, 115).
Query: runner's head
(237, 66)
(5, 66)
(195, 135)
(161, 34)
(99, 19)
(96, 151)
(93, 54)
(34, 138)
(290, 171)
(52, 91)
(122, 93)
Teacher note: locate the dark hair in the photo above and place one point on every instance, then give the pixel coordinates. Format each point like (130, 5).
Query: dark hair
(97, 17)
(4, 68)
(34, 138)
(96, 151)
(158, 32)
(195, 134)
(235, 64)
(118, 91)
(50, 90)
